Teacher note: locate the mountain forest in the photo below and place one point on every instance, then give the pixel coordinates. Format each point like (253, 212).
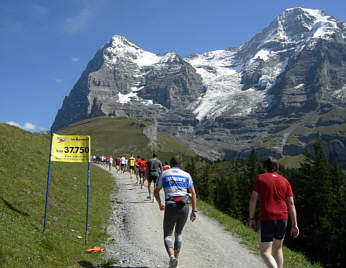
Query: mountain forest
(319, 193)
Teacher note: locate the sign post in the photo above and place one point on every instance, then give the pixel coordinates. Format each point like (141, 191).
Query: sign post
(68, 148)
(47, 190)
(87, 211)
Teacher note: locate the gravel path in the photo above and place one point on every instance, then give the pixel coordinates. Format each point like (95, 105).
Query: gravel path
(136, 236)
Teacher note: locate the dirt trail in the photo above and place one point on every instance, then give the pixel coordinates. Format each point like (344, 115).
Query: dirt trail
(136, 236)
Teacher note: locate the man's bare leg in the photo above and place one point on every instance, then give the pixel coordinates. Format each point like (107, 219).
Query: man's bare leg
(277, 252)
(176, 254)
(266, 254)
(149, 189)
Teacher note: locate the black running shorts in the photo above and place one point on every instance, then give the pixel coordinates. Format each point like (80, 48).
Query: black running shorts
(152, 178)
(272, 229)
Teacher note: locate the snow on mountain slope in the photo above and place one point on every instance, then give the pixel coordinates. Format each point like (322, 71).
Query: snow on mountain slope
(321, 26)
(121, 48)
(222, 76)
(237, 79)
(229, 74)
(120, 51)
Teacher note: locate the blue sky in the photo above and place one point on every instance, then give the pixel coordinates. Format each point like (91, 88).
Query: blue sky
(46, 45)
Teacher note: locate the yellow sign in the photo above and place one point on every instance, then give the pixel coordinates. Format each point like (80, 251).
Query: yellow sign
(66, 148)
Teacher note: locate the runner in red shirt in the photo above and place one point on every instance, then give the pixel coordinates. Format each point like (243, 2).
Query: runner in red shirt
(117, 163)
(276, 202)
(142, 171)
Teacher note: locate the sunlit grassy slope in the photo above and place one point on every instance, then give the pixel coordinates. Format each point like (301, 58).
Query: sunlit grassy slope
(23, 180)
(116, 136)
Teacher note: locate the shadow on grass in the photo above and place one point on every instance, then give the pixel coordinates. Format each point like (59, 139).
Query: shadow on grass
(14, 209)
(88, 264)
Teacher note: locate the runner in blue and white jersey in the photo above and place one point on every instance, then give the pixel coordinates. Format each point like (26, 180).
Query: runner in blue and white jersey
(176, 183)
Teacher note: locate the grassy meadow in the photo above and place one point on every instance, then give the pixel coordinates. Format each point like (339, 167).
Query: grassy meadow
(117, 136)
(23, 177)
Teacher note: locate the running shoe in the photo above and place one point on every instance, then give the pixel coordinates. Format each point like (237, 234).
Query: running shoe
(173, 263)
(148, 197)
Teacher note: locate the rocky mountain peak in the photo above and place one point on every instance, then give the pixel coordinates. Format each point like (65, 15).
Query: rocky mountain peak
(302, 23)
(288, 79)
(295, 27)
(120, 49)
(171, 57)
(121, 42)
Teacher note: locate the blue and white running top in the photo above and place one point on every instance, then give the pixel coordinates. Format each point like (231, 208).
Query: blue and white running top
(174, 182)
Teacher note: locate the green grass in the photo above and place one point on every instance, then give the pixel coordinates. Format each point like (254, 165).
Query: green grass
(250, 239)
(169, 146)
(116, 136)
(293, 141)
(292, 161)
(23, 176)
(109, 135)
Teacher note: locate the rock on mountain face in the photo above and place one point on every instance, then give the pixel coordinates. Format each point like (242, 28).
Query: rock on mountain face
(272, 94)
(124, 80)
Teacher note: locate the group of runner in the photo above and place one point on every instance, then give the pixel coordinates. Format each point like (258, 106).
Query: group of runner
(122, 164)
(178, 188)
(273, 191)
(137, 166)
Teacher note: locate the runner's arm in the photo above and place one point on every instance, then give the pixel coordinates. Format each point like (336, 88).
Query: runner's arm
(293, 216)
(157, 197)
(193, 216)
(252, 210)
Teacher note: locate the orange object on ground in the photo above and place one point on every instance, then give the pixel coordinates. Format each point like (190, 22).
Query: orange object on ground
(95, 249)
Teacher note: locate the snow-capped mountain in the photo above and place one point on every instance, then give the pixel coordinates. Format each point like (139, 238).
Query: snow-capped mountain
(289, 77)
(237, 79)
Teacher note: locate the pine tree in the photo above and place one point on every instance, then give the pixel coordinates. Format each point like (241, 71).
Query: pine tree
(316, 205)
(233, 193)
(203, 183)
(222, 197)
(254, 166)
(246, 182)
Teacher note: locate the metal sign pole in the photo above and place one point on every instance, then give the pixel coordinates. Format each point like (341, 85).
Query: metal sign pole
(87, 210)
(47, 190)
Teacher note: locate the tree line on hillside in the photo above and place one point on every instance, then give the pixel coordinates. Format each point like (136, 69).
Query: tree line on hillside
(319, 192)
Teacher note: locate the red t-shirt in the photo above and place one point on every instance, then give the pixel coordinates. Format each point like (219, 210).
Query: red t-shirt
(138, 160)
(273, 191)
(142, 165)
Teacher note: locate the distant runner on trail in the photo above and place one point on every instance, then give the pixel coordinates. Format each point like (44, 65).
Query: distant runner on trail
(117, 163)
(142, 171)
(110, 162)
(154, 168)
(123, 164)
(275, 194)
(175, 183)
(131, 162)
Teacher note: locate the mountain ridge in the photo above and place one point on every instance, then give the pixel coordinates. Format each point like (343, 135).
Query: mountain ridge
(224, 103)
